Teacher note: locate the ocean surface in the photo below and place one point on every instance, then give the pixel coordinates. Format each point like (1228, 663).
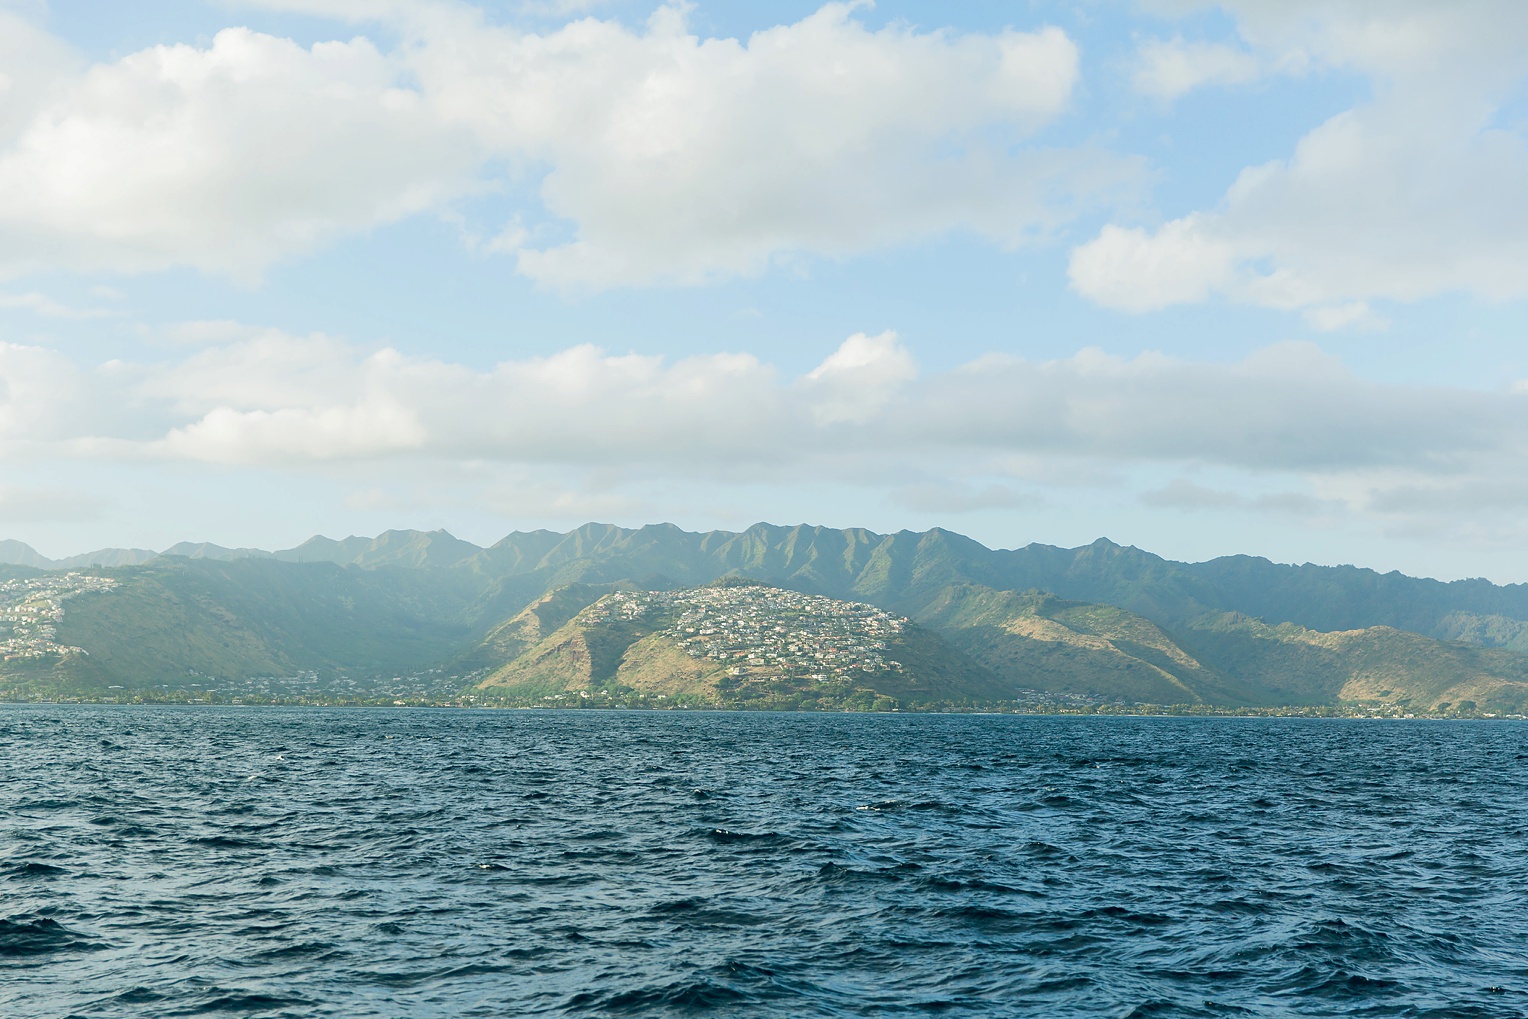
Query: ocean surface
(160, 861)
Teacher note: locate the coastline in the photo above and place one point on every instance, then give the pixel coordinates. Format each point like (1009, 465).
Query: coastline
(1347, 711)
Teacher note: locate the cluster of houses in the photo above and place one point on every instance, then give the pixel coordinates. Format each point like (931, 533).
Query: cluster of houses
(32, 607)
(310, 687)
(759, 630)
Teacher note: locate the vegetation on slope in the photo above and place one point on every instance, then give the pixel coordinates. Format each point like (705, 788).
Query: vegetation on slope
(169, 623)
(1037, 640)
(1289, 664)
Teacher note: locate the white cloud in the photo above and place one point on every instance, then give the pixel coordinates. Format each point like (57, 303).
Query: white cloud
(370, 427)
(1390, 38)
(32, 64)
(201, 331)
(1387, 38)
(1413, 194)
(1169, 68)
(859, 378)
(666, 156)
(678, 158)
(1134, 270)
(1354, 314)
(225, 158)
(44, 397)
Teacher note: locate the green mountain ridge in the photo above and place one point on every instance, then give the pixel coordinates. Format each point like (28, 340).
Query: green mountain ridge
(1101, 621)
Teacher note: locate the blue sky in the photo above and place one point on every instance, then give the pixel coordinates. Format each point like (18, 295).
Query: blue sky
(1204, 278)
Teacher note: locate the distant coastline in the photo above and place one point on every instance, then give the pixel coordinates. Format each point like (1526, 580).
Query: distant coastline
(1098, 710)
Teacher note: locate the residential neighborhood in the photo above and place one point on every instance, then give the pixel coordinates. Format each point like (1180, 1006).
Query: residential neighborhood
(32, 607)
(762, 630)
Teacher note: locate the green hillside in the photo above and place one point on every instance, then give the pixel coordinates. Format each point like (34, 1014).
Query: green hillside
(178, 622)
(1037, 640)
(1289, 664)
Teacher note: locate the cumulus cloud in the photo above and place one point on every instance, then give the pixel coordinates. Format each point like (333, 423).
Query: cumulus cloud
(1410, 195)
(662, 156)
(859, 378)
(1353, 315)
(44, 397)
(225, 157)
(679, 158)
(1136, 270)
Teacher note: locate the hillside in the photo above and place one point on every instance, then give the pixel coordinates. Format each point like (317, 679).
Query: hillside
(527, 628)
(178, 623)
(1289, 664)
(743, 644)
(1035, 639)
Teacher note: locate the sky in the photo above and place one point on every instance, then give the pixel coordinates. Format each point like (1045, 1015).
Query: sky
(1204, 278)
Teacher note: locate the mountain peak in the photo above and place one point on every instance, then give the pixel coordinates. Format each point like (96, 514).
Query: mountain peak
(19, 553)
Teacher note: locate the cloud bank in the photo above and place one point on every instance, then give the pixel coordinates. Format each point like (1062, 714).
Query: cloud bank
(990, 433)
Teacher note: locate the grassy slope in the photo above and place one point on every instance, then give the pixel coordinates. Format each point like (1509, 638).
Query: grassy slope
(1290, 664)
(1037, 640)
(654, 664)
(579, 655)
(525, 629)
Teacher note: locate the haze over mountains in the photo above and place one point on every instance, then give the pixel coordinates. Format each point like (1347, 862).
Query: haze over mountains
(406, 548)
(1099, 621)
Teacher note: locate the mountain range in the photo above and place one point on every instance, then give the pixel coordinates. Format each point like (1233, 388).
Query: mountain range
(1101, 621)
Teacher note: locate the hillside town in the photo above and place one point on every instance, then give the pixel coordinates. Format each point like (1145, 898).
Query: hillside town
(31, 609)
(754, 629)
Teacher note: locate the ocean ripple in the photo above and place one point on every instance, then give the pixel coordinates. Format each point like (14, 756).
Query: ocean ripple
(179, 861)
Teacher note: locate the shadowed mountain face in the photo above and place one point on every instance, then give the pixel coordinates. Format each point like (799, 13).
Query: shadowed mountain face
(1099, 621)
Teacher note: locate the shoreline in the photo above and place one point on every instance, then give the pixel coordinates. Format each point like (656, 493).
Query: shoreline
(1089, 711)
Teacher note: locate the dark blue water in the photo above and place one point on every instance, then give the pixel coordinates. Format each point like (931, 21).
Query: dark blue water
(314, 862)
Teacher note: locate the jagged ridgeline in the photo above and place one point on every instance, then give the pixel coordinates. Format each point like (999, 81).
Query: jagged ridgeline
(424, 615)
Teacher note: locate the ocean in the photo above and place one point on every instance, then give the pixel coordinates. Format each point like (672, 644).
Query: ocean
(179, 861)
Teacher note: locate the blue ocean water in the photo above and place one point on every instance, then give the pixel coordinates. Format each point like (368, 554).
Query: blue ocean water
(414, 863)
